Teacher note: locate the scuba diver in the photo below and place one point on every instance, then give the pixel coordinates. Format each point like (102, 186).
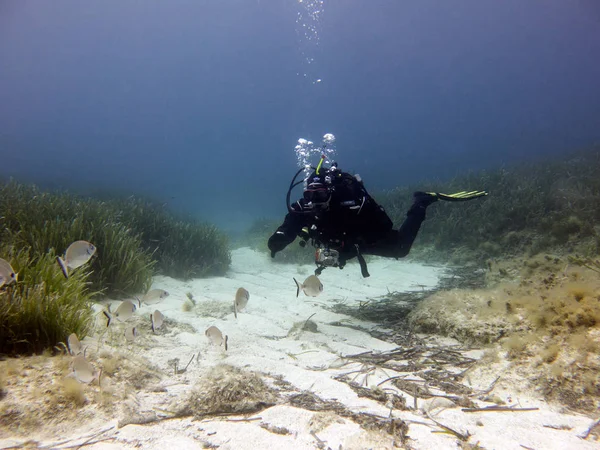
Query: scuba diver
(342, 221)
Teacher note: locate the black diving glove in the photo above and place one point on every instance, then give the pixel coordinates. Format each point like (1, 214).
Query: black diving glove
(277, 242)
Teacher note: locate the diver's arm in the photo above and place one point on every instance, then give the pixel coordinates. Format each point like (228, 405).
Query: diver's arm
(286, 233)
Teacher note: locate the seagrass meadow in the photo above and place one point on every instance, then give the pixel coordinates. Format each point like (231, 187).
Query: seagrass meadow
(135, 238)
(43, 307)
(550, 205)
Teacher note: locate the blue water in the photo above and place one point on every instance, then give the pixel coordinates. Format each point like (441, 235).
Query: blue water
(200, 103)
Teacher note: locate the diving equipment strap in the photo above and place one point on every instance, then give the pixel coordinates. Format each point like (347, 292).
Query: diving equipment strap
(361, 261)
(462, 196)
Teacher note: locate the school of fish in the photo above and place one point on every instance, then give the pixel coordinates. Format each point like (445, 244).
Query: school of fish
(80, 253)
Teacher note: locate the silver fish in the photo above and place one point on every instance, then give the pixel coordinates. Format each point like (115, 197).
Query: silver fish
(311, 287)
(240, 301)
(157, 318)
(131, 333)
(84, 371)
(78, 253)
(125, 310)
(7, 273)
(215, 336)
(75, 347)
(154, 296)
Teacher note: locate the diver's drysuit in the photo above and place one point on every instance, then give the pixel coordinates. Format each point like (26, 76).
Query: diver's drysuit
(343, 221)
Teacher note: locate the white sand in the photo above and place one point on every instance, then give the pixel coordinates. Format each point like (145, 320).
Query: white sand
(259, 341)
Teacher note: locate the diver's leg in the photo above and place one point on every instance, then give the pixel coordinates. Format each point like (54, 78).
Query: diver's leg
(407, 233)
(397, 243)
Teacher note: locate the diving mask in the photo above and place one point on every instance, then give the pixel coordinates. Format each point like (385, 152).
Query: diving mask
(317, 194)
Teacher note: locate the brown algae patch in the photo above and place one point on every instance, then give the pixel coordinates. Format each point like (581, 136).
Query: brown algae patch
(226, 389)
(211, 308)
(38, 395)
(546, 323)
(41, 397)
(470, 316)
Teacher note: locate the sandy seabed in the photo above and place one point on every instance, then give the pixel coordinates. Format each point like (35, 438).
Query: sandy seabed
(272, 338)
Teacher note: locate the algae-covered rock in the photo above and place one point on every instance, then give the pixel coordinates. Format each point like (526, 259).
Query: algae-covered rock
(229, 390)
(472, 317)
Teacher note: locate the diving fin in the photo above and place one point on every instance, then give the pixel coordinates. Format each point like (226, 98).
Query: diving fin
(462, 196)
